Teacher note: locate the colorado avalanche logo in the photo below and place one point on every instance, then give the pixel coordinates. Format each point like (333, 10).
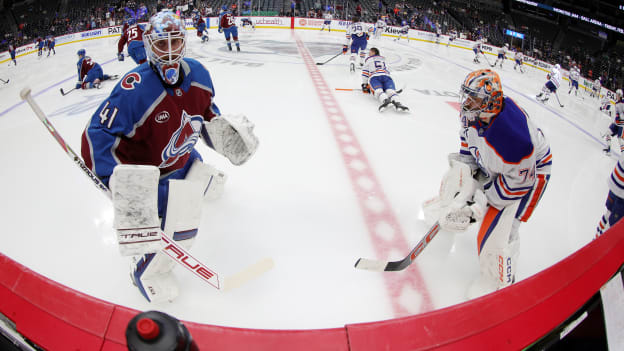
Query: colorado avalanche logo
(477, 155)
(183, 139)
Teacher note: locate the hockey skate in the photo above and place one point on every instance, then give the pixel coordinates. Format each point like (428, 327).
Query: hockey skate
(384, 105)
(399, 107)
(352, 67)
(238, 48)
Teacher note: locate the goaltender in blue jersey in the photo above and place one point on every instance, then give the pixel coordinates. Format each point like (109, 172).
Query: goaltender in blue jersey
(376, 78)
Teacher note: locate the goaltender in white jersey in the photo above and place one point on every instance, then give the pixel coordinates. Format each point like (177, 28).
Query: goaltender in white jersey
(510, 156)
(375, 74)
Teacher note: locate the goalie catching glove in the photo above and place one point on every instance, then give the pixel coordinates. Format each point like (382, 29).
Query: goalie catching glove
(232, 136)
(458, 216)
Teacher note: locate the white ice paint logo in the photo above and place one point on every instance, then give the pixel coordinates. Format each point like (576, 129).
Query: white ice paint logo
(183, 139)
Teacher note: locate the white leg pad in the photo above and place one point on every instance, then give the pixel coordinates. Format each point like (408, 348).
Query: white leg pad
(212, 179)
(135, 202)
(152, 273)
(499, 255)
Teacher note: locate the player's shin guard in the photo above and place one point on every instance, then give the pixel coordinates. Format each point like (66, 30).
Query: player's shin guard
(498, 247)
(152, 272)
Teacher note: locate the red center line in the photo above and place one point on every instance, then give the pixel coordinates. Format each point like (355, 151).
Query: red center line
(408, 291)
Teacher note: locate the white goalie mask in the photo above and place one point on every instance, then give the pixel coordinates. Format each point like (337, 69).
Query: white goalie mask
(165, 44)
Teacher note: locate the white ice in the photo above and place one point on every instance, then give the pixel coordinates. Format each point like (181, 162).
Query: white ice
(293, 201)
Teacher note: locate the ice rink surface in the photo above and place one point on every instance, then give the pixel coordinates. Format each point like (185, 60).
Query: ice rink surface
(295, 200)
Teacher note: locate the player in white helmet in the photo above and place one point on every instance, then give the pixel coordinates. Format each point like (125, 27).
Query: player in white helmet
(552, 84)
(496, 179)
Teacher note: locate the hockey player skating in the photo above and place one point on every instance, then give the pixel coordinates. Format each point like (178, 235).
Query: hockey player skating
(357, 38)
(90, 74)
(327, 21)
(510, 156)
(227, 26)
(438, 33)
(200, 25)
(502, 55)
(403, 31)
(552, 84)
(476, 48)
(616, 128)
(615, 199)
(140, 141)
(452, 36)
(376, 77)
(40, 45)
(380, 26)
(605, 105)
(596, 86)
(12, 53)
(132, 35)
(518, 57)
(51, 42)
(575, 74)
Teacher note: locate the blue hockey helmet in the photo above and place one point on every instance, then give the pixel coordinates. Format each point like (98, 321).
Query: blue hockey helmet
(165, 44)
(81, 52)
(131, 21)
(224, 8)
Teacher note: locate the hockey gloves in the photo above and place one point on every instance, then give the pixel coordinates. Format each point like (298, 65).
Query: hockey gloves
(365, 88)
(344, 49)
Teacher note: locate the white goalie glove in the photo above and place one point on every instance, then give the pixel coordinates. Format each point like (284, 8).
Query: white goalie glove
(460, 201)
(460, 214)
(232, 136)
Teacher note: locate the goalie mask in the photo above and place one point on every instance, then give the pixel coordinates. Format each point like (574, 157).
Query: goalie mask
(165, 44)
(481, 96)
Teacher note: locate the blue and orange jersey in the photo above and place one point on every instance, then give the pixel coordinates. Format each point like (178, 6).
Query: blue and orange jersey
(511, 150)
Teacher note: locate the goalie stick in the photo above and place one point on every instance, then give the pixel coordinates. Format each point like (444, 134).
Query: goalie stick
(170, 247)
(322, 63)
(380, 266)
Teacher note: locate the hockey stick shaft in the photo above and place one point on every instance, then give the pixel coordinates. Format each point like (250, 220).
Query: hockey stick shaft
(559, 101)
(379, 266)
(360, 90)
(322, 63)
(5, 81)
(170, 247)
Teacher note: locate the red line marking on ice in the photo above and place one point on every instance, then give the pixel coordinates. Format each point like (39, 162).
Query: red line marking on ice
(381, 221)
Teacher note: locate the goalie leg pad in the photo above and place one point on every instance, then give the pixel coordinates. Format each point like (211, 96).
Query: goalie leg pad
(135, 200)
(212, 179)
(152, 272)
(498, 247)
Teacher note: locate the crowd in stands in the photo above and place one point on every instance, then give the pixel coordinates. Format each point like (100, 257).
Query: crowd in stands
(472, 19)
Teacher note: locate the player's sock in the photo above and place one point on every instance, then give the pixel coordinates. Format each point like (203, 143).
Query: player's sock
(229, 45)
